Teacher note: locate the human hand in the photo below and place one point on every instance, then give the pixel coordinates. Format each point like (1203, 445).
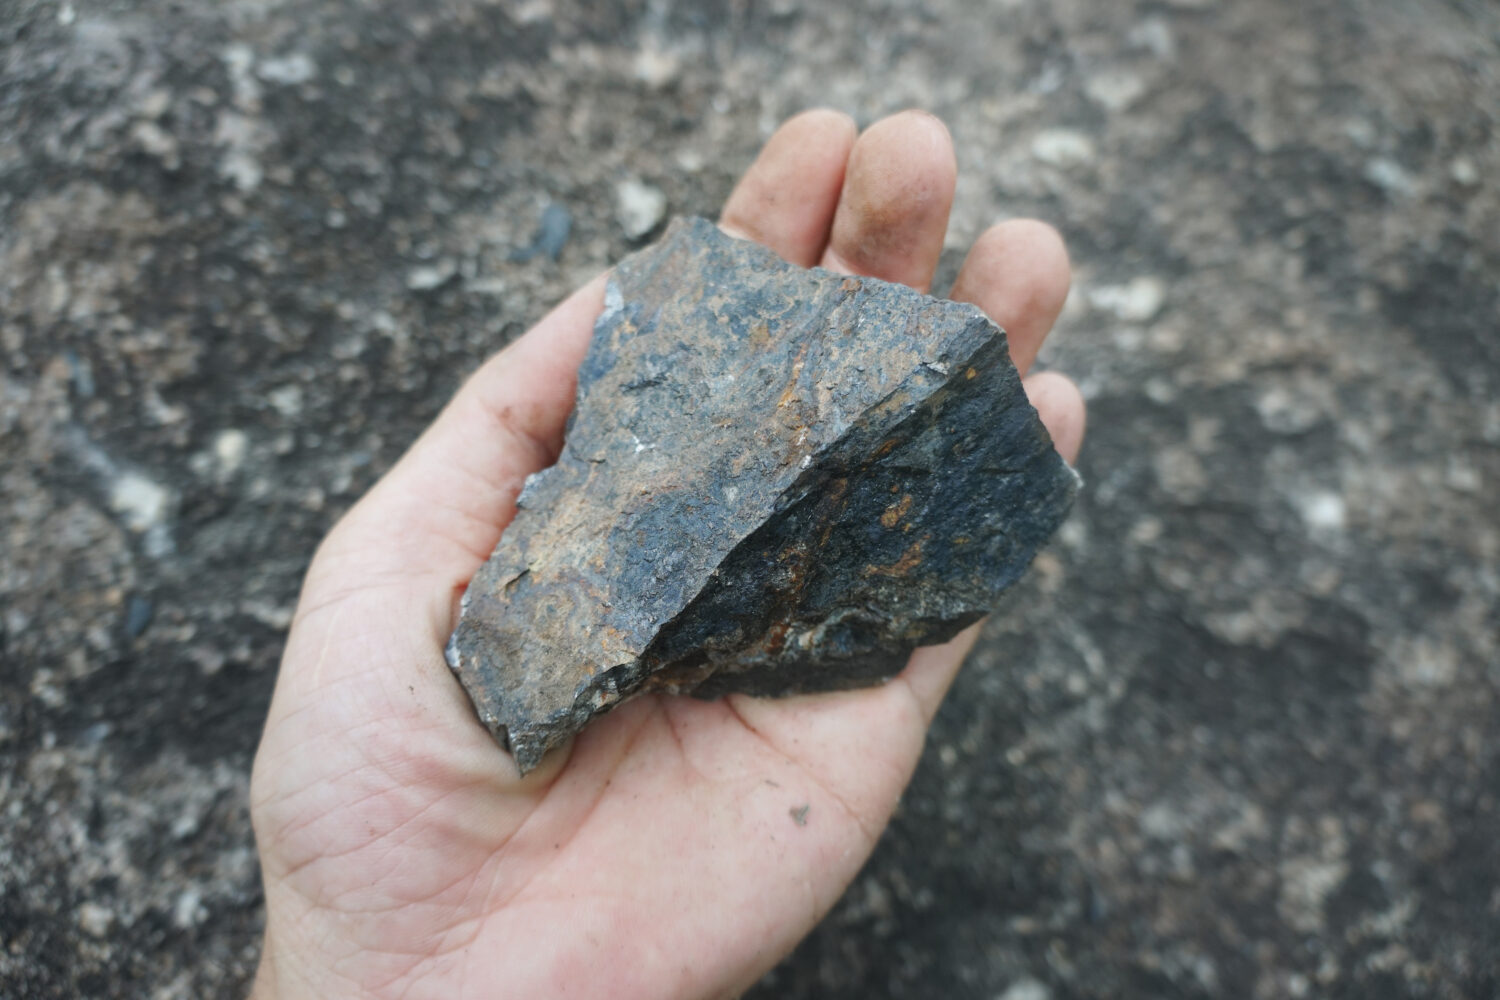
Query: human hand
(678, 848)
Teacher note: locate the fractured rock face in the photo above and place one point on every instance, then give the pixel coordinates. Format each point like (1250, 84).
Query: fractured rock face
(776, 480)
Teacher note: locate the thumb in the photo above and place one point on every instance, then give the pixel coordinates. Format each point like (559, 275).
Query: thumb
(378, 601)
(430, 522)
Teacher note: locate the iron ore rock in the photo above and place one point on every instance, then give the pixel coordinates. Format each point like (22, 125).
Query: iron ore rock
(775, 480)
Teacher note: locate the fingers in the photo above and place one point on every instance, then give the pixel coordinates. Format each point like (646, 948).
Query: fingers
(379, 597)
(787, 198)
(1060, 406)
(1018, 273)
(893, 211)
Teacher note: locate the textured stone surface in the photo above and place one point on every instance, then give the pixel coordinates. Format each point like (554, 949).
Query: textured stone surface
(776, 480)
(1237, 734)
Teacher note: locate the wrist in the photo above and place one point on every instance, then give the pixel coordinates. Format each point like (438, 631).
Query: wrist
(265, 986)
(275, 976)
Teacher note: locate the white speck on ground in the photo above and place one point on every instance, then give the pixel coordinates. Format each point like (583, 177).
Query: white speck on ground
(155, 141)
(95, 920)
(1306, 884)
(639, 207)
(188, 911)
(431, 276)
(1060, 147)
(1027, 989)
(1114, 90)
(656, 68)
(1463, 171)
(1322, 511)
(230, 447)
(243, 139)
(140, 502)
(1285, 412)
(1137, 301)
(1156, 36)
(1389, 176)
(286, 400)
(287, 70)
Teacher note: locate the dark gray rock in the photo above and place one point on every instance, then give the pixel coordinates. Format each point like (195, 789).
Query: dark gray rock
(138, 612)
(551, 234)
(776, 480)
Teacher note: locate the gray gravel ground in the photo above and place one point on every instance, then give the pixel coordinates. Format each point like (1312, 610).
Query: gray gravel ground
(1239, 736)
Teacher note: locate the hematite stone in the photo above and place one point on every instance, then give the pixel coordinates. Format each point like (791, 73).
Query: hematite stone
(775, 480)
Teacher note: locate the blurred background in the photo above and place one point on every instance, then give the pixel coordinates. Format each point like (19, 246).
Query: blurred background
(1237, 736)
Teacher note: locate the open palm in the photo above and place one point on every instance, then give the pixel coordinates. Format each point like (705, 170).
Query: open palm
(678, 848)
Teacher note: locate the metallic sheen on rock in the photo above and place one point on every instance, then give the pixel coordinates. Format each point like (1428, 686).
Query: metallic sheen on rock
(776, 480)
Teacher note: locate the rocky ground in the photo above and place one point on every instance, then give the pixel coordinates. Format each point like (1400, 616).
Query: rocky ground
(1239, 735)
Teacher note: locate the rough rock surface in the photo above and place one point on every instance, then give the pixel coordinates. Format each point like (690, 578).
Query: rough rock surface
(1236, 735)
(776, 481)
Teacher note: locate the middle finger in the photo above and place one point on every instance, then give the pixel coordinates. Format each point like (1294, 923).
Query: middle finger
(893, 211)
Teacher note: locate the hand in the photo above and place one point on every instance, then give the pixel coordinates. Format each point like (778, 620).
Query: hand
(678, 848)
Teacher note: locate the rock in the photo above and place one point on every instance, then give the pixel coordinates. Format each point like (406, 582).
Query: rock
(1463, 171)
(156, 141)
(1362, 132)
(82, 374)
(639, 208)
(188, 911)
(95, 920)
(1061, 147)
(431, 277)
(154, 104)
(551, 234)
(1284, 411)
(1323, 512)
(1137, 302)
(141, 503)
(1115, 90)
(243, 139)
(1027, 989)
(287, 71)
(286, 400)
(1156, 36)
(656, 67)
(776, 480)
(138, 613)
(230, 447)
(1389, 176)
